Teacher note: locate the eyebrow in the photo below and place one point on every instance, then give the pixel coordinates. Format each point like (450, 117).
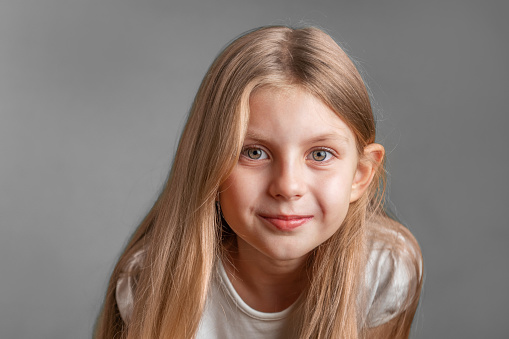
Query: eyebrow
(329, 137)
(258, 137)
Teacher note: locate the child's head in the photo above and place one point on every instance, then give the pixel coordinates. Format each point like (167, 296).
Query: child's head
(277, 58)
(282, 62)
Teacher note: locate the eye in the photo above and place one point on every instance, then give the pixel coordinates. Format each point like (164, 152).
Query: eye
(320, 155)
(254, 153)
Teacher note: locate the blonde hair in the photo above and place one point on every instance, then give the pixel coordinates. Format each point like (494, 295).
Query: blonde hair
(182, 233)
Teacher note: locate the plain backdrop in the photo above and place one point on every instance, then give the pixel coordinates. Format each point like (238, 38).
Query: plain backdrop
(94, 93)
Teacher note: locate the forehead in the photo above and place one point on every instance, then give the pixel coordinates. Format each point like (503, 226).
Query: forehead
(293, 111)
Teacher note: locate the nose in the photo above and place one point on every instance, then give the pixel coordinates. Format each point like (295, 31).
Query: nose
(288, 181)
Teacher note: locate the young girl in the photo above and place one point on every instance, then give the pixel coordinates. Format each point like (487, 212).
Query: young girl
(271, 223)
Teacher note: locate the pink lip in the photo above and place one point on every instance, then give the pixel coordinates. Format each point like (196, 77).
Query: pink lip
(287, 222)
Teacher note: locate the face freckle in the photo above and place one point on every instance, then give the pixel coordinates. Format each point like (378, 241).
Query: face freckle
(291, 189)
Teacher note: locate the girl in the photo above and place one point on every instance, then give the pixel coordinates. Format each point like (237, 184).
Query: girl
(270, 224)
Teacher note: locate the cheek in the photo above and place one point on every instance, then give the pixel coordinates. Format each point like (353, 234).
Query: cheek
(334, 193)
(245, 184)
(236, 195)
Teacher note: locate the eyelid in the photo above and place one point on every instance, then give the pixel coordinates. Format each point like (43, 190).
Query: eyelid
(322, 148)
(325, 148)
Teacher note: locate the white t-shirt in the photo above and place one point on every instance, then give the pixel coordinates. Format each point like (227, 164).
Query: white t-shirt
(227, 316)
(390, 276)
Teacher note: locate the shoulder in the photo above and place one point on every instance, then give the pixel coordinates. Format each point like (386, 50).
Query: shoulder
(126, 284)
(393, 275)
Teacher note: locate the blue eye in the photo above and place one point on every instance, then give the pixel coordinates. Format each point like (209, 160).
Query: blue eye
(320, 155)
(255, 153)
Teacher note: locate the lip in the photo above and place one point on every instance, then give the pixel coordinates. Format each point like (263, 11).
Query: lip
(286, 222)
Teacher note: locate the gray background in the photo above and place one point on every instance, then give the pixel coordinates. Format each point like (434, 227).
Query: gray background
(93, 95)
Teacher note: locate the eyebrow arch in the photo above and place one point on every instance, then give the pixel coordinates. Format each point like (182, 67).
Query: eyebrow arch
(255, 136)
(329, 137)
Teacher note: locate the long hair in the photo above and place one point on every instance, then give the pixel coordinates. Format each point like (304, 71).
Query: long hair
(182, 232)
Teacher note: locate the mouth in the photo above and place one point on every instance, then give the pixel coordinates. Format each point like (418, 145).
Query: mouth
(286, 222)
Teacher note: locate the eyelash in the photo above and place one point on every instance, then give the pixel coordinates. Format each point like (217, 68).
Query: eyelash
(331, 153)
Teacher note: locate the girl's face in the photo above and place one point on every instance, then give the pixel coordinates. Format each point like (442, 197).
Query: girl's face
(296, 176)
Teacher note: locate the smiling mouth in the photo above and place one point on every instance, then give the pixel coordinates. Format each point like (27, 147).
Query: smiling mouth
(287, 222)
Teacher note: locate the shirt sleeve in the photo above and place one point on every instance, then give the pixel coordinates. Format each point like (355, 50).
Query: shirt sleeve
(393, 272)
(126, 284)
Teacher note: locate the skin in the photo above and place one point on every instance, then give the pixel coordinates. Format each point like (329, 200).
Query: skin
(289, 192)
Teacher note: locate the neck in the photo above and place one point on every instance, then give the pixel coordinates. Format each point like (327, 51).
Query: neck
(265, 284)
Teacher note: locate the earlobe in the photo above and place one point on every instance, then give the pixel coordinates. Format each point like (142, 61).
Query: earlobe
(371, 159)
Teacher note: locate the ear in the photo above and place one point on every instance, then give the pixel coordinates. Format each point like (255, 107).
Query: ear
(369, 162)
